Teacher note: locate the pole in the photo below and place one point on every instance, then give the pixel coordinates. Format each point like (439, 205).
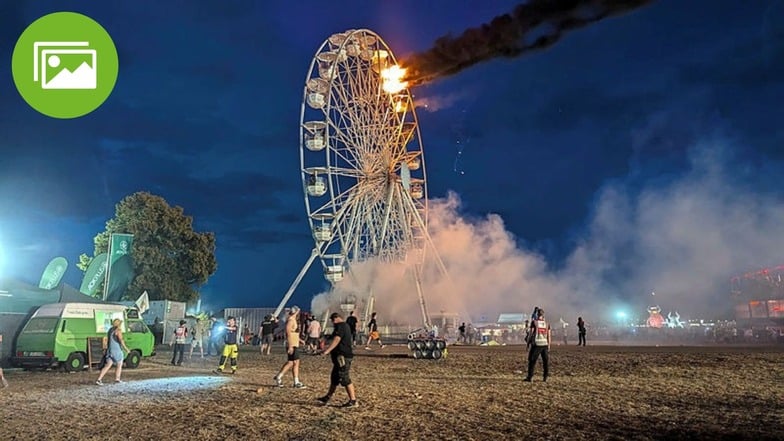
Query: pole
(422, 305)
(294, 284)
(108, 268)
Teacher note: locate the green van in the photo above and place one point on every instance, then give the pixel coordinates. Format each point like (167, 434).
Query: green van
(56, 335)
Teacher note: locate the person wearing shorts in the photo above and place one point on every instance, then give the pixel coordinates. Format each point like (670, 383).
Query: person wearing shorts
(341, 353)
(373, 333)
(292, 350)
(114, 352)
(267, 332)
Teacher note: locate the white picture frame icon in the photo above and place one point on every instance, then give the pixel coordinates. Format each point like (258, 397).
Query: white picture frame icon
(47, 55)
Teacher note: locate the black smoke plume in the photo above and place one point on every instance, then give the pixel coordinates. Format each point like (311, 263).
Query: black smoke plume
(510, 35)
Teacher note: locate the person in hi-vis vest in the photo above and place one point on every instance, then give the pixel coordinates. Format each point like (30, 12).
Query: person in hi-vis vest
(540, 330)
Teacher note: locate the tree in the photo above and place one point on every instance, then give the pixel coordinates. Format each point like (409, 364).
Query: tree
(170, 259)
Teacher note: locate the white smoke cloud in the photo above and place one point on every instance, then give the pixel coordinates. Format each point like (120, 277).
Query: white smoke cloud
(434, 103)
(682, 238)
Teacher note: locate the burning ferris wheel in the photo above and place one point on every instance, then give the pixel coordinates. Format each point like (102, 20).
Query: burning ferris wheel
(361, 161)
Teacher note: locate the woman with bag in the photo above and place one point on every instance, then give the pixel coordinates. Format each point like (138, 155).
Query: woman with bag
(114, 352)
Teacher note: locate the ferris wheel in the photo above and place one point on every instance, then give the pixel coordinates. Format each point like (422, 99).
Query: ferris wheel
(361, 162)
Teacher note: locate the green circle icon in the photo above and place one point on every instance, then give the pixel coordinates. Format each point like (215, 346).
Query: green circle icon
(65, 65)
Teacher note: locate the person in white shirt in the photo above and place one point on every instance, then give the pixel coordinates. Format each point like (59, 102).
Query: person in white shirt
(540, 346)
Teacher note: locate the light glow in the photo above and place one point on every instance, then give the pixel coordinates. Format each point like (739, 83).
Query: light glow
(392, 79)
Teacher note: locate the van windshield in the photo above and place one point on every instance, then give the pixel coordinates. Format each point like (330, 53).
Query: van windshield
(41, 325)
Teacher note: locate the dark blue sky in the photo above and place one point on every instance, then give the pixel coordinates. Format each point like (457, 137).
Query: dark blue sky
(206, 110)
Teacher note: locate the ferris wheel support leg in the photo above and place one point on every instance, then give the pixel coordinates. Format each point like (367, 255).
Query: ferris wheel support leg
(422, 305)
(313, 255)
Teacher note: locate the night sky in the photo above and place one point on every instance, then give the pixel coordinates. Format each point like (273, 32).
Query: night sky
(205, 113)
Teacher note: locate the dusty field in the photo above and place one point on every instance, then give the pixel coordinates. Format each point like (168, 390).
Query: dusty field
(596, 393)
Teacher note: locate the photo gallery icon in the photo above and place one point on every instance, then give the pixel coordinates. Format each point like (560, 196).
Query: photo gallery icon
(65, 65)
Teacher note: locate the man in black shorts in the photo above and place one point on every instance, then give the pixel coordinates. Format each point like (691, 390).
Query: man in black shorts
(340, 350)
(292, 350)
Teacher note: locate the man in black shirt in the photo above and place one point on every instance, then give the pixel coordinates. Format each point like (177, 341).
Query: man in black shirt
(267, 334)
(352, 324)
(341, 352)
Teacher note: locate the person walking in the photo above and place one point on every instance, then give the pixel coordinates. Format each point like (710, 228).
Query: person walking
(351, 320)
(373, 333)
(581, 331)
(180, 337)
(197, 338)
(267, 332)
(292, 350)
(540, 346)
(341, 353)
(114, 352)
(462, 329)
(230, 348)
(314, 335)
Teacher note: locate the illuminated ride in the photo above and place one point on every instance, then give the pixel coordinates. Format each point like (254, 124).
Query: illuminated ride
(759, 296)
(362, 164)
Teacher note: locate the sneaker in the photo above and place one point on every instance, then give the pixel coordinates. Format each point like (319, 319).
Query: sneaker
(119, 381)
(278, 381)
(299, 385)
(367, 348)
(99, 382)
(383, 346)
(350, 403)
(527, 379)
(218, 371)
(323, 400)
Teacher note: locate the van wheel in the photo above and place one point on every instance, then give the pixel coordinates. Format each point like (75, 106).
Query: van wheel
(133, 359)
(75, 362)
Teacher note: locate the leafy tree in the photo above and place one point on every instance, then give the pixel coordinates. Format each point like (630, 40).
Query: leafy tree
(170, 259)
(84, 262)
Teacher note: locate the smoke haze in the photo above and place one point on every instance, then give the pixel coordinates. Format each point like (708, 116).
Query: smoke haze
(537, 24)
(683, 239)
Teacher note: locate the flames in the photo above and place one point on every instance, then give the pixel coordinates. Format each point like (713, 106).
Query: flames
(392, 79)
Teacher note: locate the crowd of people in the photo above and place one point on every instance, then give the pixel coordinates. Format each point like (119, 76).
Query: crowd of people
(302, 334)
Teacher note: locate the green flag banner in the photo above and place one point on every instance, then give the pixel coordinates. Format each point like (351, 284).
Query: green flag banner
(94, 275)
(120, 245)
(53, 273)
(120, 277)
(120, 266)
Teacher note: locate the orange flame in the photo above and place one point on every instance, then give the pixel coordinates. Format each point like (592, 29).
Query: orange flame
(392, 78)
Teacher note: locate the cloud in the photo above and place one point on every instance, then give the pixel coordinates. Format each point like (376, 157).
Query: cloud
(683, 239)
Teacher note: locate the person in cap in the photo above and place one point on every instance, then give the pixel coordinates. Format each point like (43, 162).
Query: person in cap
(292, 350)
(341, 352)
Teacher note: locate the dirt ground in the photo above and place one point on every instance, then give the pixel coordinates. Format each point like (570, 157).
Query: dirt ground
(475, 393)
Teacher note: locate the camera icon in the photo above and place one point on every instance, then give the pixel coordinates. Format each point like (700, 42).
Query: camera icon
(65, 65)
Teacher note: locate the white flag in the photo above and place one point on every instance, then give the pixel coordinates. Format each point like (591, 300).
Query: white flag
(143, 302)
